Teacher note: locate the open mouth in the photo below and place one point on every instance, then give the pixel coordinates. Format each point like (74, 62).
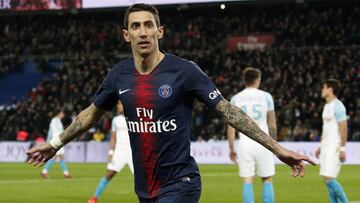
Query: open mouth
(142, 43)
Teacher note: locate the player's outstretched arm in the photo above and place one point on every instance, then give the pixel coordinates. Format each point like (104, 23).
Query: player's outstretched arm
(235, 117)
(84, 121)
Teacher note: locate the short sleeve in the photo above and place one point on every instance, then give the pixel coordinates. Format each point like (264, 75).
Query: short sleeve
(56, 127)
(106, 97)
(232, 100)
(340, 111)
(269, 102)
(199, 84)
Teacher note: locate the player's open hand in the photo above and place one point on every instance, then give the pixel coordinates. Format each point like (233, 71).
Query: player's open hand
(342, 156)
(39, 155)
(233, 156)
(295, 161)
(110, 157)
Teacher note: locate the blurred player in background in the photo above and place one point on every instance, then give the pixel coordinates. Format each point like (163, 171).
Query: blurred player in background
(55, 129)
(333, 140)
(254, 158)
(157, 91)
(119, 152)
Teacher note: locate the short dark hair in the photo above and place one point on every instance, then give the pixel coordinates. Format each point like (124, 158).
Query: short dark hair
(141, 7)
(250, 75)
(58, 110)
(334, 84)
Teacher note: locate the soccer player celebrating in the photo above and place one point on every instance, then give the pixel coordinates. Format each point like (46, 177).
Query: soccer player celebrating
(119, 152)
(157, 91)
(259, 106)
(333, 140)
(55, 129)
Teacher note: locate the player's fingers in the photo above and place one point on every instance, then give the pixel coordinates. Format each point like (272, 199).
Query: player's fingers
(31, 160)
(34, 162)
(32, 150)
(306, 158)
(293, 171)
(41, 163)
(41, 159)
(296, 171)
(302, 169)
(34, 157)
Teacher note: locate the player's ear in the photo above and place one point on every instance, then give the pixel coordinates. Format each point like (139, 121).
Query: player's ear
(125, 34)
(160, 32)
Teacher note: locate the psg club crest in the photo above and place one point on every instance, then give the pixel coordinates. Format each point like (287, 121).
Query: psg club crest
(165, 91)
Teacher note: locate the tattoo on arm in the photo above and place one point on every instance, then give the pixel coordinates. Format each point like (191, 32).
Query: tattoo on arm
(235, 117)
(83, 122)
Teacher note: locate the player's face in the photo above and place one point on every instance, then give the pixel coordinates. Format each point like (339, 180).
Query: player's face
(143, 33)
(325, 91)
(61, 115)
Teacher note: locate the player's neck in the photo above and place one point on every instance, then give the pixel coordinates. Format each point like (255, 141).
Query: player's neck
(252, 87)
(146, 64)
(330, 98)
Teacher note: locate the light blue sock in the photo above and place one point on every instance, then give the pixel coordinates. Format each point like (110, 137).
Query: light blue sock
(49, 164)
(248, 193)
(338, 190)
(63, 166)
(101, 187)
(268, 192)
(332, 194)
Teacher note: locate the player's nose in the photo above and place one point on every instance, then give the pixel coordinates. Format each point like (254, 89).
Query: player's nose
(143, 32)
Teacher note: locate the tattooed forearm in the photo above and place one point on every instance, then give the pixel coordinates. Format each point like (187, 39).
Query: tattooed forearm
(83, 122)
(235, 117)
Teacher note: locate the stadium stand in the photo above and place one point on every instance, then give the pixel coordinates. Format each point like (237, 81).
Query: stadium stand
(311, 44)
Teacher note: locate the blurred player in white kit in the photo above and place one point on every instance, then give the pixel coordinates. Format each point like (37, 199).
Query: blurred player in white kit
(55, 129)
(333, 140)
(254, 158)
(119, 152)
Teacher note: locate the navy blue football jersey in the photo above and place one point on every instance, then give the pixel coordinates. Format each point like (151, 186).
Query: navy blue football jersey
(158, 110)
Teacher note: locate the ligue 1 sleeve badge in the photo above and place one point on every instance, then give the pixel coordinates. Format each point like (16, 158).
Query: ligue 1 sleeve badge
(165, 91)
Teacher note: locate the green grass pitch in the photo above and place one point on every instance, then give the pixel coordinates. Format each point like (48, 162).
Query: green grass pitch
(221, 183)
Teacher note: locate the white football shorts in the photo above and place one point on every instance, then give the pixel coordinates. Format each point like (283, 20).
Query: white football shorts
(253, 156)
(61, 151)
(122, 156)
(329, 160)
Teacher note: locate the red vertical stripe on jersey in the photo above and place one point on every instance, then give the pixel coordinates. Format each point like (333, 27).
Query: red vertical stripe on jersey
(144, 98)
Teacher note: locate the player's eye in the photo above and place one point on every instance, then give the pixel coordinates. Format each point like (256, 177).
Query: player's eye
(149, 25)
(135, 26)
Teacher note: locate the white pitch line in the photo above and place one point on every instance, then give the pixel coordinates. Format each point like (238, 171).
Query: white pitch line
(218, 174)
(44, 180)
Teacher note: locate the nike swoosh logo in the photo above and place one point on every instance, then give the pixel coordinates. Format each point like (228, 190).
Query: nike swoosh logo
(122, 92)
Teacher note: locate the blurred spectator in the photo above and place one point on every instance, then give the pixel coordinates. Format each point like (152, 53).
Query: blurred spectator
(22, 135)
(313, 42)
(98, 136)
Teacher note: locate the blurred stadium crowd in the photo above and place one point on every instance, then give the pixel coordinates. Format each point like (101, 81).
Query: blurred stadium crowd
(312, 44)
